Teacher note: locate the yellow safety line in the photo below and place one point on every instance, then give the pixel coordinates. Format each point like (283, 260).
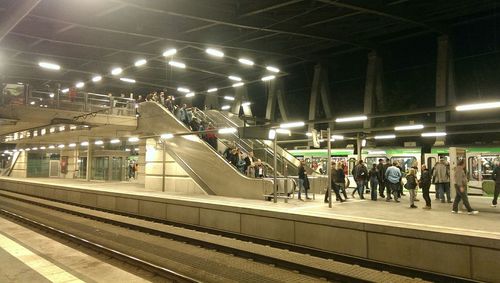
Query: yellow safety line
(44, 267)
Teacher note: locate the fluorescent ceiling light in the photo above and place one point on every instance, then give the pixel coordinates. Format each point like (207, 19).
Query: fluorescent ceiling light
(191, 94)
(116, 71)
(183, 89)
(114, 141)
(225, 107)
(50, 66)
(32, 103)
(72, 127)
(28, 149)
(268, 78)
(409, 127)
(80, 84)
(351, 119)
(214, 52)
(85, 143)
(127, 80)
(238, 84)
(133, 139)
(96, 79)
(51, 95)
(65, 90)
(273, 69)
(42, 147)
(283, 131)
(337, 137)
(140, 62)
(127, 149)
(272, 134)
(246, 61)
(384, 137)
(292, 125)
(170, 52)
(231, 98)
(72, 145)
(235, 78)
(227, 131)
(177, 64)
(363, 143)
(246, 103)
(62, 128)
(51, 147)
(309, 134)
(478, 106)
(98, 142)
(212, 89)
(437, 134)
(34, 148)
(167, 136)
(61, 146)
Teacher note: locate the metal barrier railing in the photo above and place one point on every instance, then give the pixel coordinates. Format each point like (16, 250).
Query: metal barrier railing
(76, 101)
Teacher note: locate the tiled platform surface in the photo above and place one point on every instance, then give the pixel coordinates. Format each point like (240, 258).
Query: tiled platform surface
(388, 232)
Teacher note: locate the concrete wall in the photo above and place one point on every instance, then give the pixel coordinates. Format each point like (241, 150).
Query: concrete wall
(176, 179)
(20, 167)
(466, 256)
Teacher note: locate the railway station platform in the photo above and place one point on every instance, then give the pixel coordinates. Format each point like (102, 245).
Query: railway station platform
(461, 245)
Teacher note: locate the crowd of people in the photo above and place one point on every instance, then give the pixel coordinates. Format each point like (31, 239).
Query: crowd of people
(246, 163)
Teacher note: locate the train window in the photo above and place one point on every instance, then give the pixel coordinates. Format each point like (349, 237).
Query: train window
(488, 164)
(406, 162)
(473, 169)
(373, 160)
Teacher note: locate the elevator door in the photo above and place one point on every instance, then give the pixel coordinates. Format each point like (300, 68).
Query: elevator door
(100, 167)
(116, 168)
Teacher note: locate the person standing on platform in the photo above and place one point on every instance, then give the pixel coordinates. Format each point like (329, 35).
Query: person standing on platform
(341, 179)
(393, 177)
(400, 185)
(441, 177)
(380, 177)
(425, 184)
(373, 176)
(302, 179)
(360, 174)
(334, 185)
(461, 189)
(411, 186)
(496, 177)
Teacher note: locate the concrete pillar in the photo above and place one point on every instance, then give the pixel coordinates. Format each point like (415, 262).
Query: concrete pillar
(211, 101)
(445, 81)
(241, 95)
(373, 99)
(90, 149)
(320, 90)
(275, 95)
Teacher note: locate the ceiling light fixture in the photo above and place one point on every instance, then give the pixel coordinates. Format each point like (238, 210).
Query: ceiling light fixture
(384, 137)
(478, 106)
(96, 79)
(169, 52)
(351, 119)
(246, 61)
(235, 78)
(225, 107)
(177, 64)
(214, 52)
(80, 84)
(140, 62)
(50, 66)
(272, 69)
(113, 141)
(246, 103)
(116, 71)
(338, 137)
(183, 89)
(98, 142)
(133, 139)
(190, 94)
(268, 78)
(409, 127)
(238, 84)
(72, 145)
(437, 134)
(212, 89)
(85, 143)
(127, 80)
(231, 98)
(65, 90)
(292, 125)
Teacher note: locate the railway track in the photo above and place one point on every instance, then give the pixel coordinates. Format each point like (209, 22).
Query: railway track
(292, 261)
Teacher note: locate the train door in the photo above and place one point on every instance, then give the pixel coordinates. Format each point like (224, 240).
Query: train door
(457, 154)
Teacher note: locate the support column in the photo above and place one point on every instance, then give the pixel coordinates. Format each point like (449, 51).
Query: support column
(275, 94)
(211, 101)
(373, 99)
(89, 160)
(320, 89)
(445, 83)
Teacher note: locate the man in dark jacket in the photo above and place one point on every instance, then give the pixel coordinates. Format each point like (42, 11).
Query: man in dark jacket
(381, 172)
(496, 177)
(425, 183)
(360, 174)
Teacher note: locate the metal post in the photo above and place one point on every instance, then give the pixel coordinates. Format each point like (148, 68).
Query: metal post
(275, 165)
(86, 101)
(163, 168)
(58, 94)
(89, 161)
(329, 168)
(359, 145)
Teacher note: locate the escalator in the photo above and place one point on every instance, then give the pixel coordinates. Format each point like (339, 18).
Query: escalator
(287, 163)
(207, 168)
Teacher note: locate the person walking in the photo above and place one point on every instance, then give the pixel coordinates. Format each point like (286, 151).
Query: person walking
(393, 176)
(496, 177)
(425, 184)
(461, 189)
(302, 179)
(360, 174)
(373, 176)
(341, 179)
(411, 186)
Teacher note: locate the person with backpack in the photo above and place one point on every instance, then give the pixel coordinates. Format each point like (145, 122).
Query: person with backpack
(360, 174)
(441, 177)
